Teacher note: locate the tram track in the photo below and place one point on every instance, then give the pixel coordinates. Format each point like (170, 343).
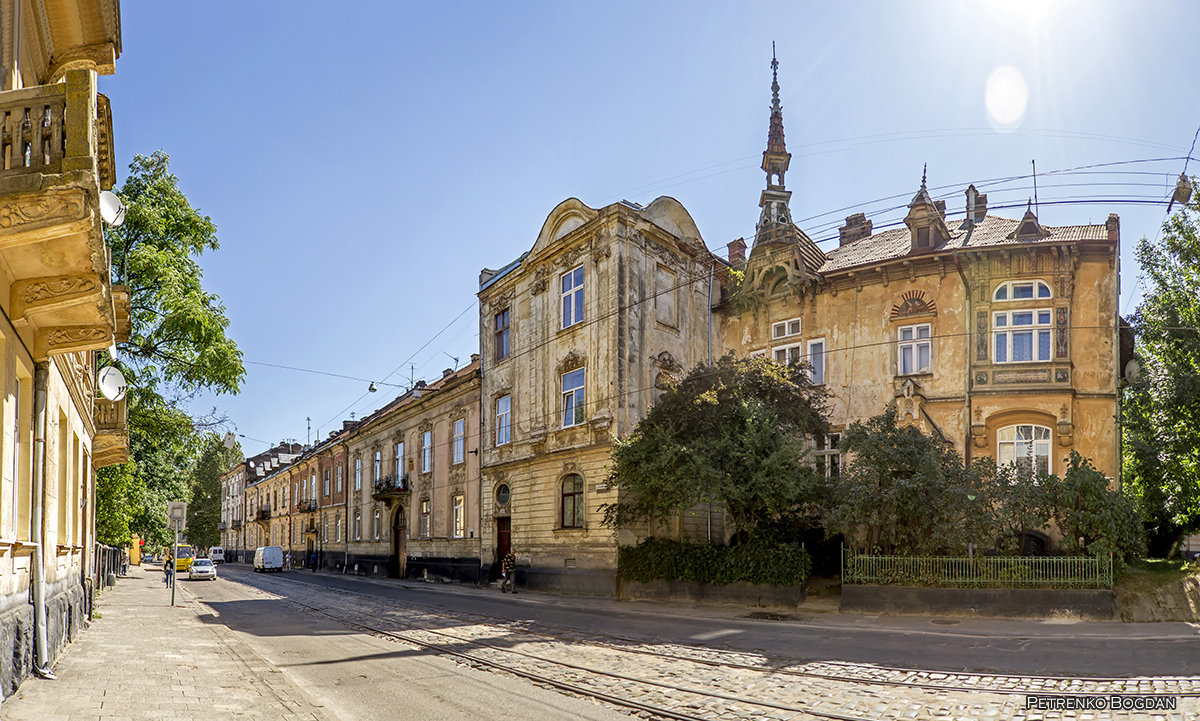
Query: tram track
(599, 673)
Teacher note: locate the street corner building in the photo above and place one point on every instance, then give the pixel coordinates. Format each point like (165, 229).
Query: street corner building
(60, 308)
(1000, 335)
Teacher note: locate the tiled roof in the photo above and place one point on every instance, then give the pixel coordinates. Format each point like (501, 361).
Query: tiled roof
(991, 231)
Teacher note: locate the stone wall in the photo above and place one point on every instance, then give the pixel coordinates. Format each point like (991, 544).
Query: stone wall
(1098, 604)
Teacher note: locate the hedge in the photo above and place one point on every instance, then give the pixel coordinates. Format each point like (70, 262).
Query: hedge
(772, 564)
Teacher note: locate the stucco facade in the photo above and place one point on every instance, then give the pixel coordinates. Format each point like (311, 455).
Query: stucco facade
(576, 338)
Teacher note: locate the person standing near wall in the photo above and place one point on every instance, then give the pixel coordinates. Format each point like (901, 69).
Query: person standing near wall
(508, 565)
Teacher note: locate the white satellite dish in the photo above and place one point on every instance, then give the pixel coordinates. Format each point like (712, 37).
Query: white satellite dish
(112, 210)
(1133, 370)
(112, 383)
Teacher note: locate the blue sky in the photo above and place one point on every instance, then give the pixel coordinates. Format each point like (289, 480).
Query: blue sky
(363, 161)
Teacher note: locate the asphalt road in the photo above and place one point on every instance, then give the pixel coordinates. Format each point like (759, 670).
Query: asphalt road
(1026, 647)
(362, 677)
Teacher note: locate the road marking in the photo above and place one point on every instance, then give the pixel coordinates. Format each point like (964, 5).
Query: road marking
(712, 635)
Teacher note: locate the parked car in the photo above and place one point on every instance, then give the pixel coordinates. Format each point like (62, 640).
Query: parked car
(202, 568)
(268, 558)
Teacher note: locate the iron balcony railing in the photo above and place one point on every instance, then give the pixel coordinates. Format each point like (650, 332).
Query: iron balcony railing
(306, 505)
(977, 572)
(222, 525)
(391, 484)
(235, 524)
(264, 514)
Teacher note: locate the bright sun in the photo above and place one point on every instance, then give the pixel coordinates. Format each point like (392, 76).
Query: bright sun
(1006, 96)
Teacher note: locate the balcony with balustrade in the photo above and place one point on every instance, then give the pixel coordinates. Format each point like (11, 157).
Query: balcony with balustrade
(110, 445)
(306, 506)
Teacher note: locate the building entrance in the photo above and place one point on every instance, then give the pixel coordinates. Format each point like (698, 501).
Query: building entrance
(398, 560)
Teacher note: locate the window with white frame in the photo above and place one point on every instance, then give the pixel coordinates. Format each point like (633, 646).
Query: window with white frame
(1021, 290)
(337, 526)
(339, 478)
(377, 468)
(326, 481)
(324, 528)
(785, 328)
(399, 459)
(457, 517)
(816, 358)
(760, 353)
(426, 451)
(1028, 446)
(423, 529)
(788, 354)
(573, 397)
(503, 420)
(375, 523)
(358, 525)
(358, 474)
(913, 349)
(1021, 336)
(827, 455)
(312, 486)
(459, 439)
(572, 297)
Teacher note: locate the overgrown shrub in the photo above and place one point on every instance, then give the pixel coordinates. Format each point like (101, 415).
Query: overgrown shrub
(774, 564)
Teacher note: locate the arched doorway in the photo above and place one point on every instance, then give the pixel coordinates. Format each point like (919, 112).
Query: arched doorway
(398, 560)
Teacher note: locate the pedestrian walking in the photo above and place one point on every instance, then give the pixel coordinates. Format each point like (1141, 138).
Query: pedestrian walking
(508, 569)
(168, 570)
(287, 560)
(312, 561)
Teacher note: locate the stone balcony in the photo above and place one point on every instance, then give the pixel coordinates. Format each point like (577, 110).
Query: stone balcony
(56, 156)
(264, 515)
(111, 443)
(306, 506)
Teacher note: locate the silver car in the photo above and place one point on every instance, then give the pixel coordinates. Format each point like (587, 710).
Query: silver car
(202, 568)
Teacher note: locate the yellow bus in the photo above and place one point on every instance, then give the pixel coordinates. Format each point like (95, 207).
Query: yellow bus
(184, 555)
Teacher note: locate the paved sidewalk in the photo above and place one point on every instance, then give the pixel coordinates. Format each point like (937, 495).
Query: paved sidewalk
(143, 659)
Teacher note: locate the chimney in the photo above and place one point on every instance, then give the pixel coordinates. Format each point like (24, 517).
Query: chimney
(474, 357)
(1113, 224)
(941, 208)
(857, 227)
(737, 251)
(347, 425)
(447, 372)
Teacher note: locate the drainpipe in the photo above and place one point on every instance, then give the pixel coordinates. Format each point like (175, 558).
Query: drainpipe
(41, 661)
(970, 338)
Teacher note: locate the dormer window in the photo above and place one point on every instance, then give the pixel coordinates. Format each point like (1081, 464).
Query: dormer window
(1022, 290)
(923, 238)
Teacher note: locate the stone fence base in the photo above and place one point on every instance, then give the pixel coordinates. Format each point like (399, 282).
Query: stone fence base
(1099, 604)
(740, 593)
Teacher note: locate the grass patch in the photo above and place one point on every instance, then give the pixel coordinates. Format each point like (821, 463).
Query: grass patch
(1149, 574)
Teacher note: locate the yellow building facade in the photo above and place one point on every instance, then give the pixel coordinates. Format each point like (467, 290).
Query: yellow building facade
(59, 308)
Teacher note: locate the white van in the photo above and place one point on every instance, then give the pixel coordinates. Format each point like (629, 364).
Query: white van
(268, 558)
(217, 554)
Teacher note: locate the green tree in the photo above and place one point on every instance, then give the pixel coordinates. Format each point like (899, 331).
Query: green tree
(1161, 413)
(1092, 517)
(179, 346)
(735, 434)
(905, 492)
(205, 509)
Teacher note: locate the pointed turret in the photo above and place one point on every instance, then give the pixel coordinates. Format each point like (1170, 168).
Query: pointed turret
(775, 157)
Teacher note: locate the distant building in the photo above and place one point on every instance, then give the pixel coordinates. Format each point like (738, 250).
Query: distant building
(238, 536)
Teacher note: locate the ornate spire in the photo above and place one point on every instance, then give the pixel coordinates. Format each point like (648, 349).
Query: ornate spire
(776, 157)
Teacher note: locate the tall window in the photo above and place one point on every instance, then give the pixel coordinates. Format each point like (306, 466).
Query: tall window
(358, 474)
(326, 481)
(502, 334)
(426, 451)
(457, 517)
(377, 468)
(816, 357)
(424, 520)
(296, 489)
(312, 485)
(358, 525)
(339, 478)
(399, 460)
(827, 455)
(459, 439)
(572, 501)
(1026, 445)
(913, 350)
(572, 397)
(572, 297)
(1022, 335)
(324, 528)
(337, 526)
(787, 354)
(503, 420)
(375, 523)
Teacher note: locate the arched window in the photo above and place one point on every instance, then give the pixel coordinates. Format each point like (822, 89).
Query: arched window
(572, 501)
(1028, 446)
(1021, 290)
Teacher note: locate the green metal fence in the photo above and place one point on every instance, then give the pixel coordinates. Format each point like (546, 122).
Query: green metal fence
(977, 572)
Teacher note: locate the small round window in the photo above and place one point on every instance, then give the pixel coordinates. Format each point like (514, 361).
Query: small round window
(502, 494)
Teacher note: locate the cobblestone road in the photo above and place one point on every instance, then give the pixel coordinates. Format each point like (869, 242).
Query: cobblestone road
(717, 684)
